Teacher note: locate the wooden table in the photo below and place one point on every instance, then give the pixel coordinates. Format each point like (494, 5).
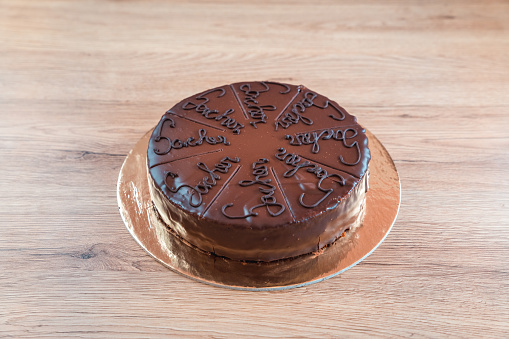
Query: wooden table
(81, 82)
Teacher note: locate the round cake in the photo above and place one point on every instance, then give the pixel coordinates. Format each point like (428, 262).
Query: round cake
(258, 171)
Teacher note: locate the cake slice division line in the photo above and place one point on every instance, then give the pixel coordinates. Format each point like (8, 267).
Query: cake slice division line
(238, 102)
(283, 192)
(196, 121)
(187, 157)
(337, 169)
(291, 101)
(221, 190)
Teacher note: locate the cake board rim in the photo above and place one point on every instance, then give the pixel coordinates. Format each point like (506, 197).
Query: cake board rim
(383, 200)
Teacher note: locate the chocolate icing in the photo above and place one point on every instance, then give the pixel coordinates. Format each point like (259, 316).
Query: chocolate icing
(286, 176)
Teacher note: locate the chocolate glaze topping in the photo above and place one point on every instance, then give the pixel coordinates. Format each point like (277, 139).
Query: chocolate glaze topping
(259, 170)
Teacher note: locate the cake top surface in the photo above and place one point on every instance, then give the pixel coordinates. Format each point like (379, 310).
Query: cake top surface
(257, 154)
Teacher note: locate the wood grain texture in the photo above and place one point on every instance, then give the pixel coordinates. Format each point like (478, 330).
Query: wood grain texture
(81, 82)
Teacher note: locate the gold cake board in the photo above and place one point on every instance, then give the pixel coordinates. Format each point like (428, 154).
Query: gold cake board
(136, 209)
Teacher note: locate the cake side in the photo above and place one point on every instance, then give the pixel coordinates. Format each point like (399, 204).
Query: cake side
(267, 243)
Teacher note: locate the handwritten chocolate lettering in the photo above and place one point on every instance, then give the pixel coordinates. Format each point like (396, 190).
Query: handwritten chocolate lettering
(165, 119)
(295, 113)
(268, 200)
(312, 138)
(207, 183)
(287, 88)
(255, 110)
(320, 173)
(206, 112)
(190, 142)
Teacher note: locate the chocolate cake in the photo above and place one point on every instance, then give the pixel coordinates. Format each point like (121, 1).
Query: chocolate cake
(258, 171)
